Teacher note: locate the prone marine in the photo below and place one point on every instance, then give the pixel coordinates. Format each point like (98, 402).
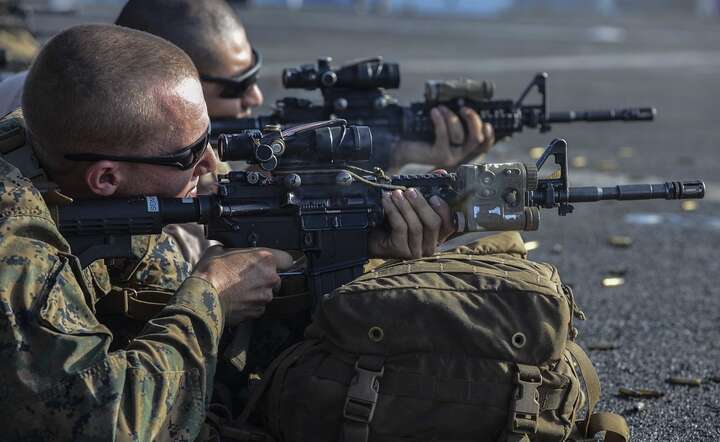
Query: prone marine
(96, 129)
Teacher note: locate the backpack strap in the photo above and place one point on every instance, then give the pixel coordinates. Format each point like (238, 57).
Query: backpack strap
(591, 380)
(614, 426)
(362, 398)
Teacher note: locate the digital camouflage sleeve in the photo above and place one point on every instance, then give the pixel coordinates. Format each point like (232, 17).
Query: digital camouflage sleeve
(59, 382)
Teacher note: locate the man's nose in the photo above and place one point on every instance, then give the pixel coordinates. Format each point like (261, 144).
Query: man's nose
(253, 97)
(207, 164)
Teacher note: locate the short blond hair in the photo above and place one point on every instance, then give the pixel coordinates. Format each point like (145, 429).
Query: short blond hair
(91, 88)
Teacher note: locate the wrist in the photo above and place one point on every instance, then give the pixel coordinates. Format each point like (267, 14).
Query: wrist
(205, 277)
(198, 295)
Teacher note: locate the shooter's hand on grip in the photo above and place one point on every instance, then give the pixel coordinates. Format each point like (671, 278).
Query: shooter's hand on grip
(456, 139)
(244, 278)
(414, 226)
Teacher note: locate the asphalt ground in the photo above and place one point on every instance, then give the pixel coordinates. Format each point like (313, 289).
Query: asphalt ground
(664, 320)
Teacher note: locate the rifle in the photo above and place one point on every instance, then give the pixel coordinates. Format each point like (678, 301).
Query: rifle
(357, 92)
(316, 202)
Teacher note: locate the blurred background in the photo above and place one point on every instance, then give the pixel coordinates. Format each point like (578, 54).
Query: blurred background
(645, 273)
(475, 7)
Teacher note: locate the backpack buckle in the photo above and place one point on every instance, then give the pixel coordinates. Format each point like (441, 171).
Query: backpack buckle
(525, 406)
(362, 395)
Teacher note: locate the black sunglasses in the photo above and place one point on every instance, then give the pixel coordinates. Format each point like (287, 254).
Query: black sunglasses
(185, 159)
(235, 87)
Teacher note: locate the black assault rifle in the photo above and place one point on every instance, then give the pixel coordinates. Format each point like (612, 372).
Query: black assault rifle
(357, 92)
(316, 203)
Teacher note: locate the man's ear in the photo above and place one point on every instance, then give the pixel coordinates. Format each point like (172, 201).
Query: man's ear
(104, 177)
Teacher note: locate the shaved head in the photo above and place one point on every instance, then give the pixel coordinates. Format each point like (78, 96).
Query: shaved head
(210, 32)
(114, 90)
(205, 29)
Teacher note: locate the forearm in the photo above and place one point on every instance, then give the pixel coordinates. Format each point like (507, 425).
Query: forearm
(175, 357)
(62, 383)
(185, 335)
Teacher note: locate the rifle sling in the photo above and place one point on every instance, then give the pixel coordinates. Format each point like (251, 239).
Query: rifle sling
(142, 304)
(145, 304)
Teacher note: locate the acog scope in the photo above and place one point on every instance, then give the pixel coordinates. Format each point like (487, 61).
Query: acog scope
(362, 74)
(305, 146)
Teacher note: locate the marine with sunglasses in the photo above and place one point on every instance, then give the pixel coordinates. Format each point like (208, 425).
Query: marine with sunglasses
(60, 380)
(92, 127)
(211, 33)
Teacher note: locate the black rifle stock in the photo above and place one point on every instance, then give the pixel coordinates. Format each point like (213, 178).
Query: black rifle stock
(326, 208)
(357, 93)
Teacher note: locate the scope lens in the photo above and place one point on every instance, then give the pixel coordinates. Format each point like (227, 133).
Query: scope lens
(295, 78)
(238, 147)
(288, 76)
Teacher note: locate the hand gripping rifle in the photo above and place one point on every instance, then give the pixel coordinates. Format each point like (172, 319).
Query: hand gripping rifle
(314, 202)
(357, 92)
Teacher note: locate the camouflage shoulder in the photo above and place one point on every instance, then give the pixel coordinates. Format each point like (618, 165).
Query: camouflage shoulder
(18, 197)
(12, 131)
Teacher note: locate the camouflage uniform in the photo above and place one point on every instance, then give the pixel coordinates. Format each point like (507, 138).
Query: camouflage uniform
(59, 380)
(151, 276)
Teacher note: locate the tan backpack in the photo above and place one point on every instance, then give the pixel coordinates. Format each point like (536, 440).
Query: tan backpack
(472, 345)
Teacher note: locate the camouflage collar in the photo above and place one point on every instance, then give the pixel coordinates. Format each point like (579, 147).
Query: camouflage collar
(16, 149)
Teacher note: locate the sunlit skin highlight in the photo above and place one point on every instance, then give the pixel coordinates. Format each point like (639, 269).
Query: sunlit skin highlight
(236, 55)
(184, 118)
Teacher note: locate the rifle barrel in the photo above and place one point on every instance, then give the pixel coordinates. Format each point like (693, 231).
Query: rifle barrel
(625, 114)
(671, 190)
